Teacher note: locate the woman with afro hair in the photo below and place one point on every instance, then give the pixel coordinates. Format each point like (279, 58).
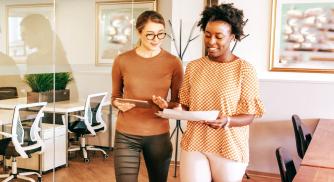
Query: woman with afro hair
(218, 150)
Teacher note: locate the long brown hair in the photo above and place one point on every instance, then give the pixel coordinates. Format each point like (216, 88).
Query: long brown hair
(147, 16)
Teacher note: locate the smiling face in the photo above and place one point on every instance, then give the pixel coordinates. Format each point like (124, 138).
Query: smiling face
(217, 38)
(152, 29)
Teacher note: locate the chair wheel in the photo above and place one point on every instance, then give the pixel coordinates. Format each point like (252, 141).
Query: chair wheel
(86, 160)
(106, 156)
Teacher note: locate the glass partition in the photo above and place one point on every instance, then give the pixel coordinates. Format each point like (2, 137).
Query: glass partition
(28, 74)
(61, 52)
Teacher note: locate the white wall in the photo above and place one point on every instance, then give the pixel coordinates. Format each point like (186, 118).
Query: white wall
(188, 12)
(75, 25)
(256, 47)
(165, 8)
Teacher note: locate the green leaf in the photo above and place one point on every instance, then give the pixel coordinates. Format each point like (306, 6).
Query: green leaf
(44, 81)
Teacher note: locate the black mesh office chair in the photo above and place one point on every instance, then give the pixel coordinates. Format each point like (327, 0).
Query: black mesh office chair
(89, 124)
(8, 93)
(302, 136)
(24, 138)
(286, 165)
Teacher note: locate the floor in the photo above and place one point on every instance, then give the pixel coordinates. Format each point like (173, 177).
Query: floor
(102, 170)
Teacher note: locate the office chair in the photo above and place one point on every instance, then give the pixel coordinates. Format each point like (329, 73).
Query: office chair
(24, 138)
(89, 124)
(302, 136)
(286, 165)
(8, 93)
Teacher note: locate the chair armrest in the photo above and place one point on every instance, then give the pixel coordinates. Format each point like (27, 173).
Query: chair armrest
(5, 134)
(77, 116)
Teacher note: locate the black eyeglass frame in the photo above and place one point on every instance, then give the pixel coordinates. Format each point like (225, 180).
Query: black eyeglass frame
(160, 36)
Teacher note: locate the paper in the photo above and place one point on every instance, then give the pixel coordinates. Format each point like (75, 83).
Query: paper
(188, 115)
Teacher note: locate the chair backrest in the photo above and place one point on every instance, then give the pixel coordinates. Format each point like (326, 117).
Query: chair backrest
(26, 127)
(8, 93)
(93, 111)
(286, 165)
(302, 136)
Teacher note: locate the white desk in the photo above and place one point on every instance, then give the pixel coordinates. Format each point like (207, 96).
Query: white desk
(10, 103)
(6, 117)
(63, 107)
(58, 107)
(54, 137)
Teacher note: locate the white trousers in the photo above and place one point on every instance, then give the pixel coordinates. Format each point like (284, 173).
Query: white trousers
(207, 167)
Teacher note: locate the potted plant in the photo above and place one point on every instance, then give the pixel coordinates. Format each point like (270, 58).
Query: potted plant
(43, 86)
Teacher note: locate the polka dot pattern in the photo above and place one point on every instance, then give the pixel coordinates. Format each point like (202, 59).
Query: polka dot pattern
(231, 88)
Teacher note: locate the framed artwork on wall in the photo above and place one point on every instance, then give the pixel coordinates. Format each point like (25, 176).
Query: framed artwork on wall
(302, 36)
(211, 2)
(115, 28)
(15, 45)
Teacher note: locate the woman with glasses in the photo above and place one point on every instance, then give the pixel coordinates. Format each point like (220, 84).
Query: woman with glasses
(145, 73)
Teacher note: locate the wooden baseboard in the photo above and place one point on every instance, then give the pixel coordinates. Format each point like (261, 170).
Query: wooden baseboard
(263, 174)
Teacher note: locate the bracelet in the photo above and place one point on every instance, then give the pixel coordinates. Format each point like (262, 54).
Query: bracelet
(227, 124)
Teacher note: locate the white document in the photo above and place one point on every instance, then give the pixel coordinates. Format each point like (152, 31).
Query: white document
(188, 115)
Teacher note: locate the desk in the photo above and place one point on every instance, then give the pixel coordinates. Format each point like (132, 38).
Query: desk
(63, 107)
(316, 174)
(50, 158)
(58, 107)
(318, 162)
(6, 117)
(320, 151)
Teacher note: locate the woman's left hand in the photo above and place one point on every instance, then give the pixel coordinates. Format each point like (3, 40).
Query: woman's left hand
(220, 122)
(162, 103)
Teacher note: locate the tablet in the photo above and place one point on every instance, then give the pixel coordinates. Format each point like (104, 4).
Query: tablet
(138, 103)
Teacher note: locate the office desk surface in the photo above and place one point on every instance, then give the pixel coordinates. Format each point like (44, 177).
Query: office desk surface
(58, 107)
(316, 174)
(320, 151)
(10, 103)
(6, 117)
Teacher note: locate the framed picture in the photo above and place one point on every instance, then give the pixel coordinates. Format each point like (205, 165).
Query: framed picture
(302, 36)
(16, 47)
(115, 28)
(211, 2)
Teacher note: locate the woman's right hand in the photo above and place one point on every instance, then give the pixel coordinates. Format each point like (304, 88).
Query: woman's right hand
(123, 106)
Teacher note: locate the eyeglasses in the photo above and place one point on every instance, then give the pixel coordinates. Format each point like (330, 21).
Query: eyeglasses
(151, 36)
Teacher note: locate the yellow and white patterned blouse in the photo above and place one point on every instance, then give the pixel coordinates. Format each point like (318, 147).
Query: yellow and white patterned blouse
(231, 88)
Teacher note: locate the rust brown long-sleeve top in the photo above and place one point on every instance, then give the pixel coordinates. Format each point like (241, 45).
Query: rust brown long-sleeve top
(135, 77)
